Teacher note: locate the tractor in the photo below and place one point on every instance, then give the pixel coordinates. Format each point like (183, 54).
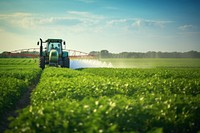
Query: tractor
(53, 54)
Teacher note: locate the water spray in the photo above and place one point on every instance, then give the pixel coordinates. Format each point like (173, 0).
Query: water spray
(89, 63)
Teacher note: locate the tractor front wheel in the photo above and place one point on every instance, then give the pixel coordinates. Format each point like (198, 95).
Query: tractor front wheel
(66, 62)
(42, 62)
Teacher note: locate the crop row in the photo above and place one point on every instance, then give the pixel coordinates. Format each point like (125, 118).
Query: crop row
(91, 101)
(18, 61)
(15, 80)
(160, 73)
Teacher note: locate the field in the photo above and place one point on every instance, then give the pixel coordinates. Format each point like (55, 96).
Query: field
(16, 75)
(154, 62)
(162, 98)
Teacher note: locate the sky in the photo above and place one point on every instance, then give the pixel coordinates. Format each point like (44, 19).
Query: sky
(94, 25)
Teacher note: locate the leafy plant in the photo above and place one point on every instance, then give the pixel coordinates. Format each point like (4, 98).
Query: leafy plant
(113, 100)
(16, 75)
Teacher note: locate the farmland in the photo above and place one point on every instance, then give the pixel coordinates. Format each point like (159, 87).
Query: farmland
(16, 77)
(154, 62)
(162, 99)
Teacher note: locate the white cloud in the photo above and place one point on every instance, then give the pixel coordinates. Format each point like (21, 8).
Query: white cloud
(79, 27)
(86, 21)
(35, 21)
(15, 15)
(139, 23)
(185, 27)
(157, 23)
(116, 21)
(84, 16)
(76, 21)
(18, 19)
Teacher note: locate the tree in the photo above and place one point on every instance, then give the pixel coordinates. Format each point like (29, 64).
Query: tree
(105, 54)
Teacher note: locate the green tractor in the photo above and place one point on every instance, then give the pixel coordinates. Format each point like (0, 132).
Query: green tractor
(54, 54)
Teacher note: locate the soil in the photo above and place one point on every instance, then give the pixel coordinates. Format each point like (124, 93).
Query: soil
(22, 103)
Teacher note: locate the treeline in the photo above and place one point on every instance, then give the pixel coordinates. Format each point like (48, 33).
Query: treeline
(23, 54)
(150, 54)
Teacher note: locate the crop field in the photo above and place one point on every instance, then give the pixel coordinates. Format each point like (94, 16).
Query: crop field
(16, 75)
(158, 99)
(154, 62)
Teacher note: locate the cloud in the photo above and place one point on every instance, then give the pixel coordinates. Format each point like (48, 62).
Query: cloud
(185, 27)
(70, 19)
(84, 16)
(75, 22)
(17, 19)
(156, 23)
(15, 15)
(139, 23)
(117, 21)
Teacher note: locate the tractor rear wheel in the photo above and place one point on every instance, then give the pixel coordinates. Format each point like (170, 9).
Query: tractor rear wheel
(66, 62)
(42, 62)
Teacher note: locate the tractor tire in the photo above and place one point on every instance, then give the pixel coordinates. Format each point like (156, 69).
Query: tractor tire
(66, 62)
(42, 62)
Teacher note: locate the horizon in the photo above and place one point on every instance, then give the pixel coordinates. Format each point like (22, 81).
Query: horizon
(126, 51)
(95, 25)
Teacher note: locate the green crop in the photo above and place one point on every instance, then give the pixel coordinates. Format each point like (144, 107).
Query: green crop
(113, 100)
(153, 62)
(16, 75)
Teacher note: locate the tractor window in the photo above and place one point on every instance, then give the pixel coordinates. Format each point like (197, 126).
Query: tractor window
(56, 46)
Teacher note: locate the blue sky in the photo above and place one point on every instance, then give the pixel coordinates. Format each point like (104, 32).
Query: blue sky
(115, 25)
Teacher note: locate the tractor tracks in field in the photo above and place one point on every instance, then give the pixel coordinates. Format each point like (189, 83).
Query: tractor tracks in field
(22, 103)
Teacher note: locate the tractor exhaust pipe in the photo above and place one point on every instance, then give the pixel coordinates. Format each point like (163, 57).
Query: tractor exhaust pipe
(41, 47)
(64, 44)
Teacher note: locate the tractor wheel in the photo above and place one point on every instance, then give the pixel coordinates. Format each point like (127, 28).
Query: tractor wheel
(42, 62)
(66, 62)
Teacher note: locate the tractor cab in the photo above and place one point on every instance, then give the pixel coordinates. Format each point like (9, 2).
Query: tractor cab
(55, 44)
(53, 55)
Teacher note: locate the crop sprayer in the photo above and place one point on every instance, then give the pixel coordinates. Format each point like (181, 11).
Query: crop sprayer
(53, 53)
